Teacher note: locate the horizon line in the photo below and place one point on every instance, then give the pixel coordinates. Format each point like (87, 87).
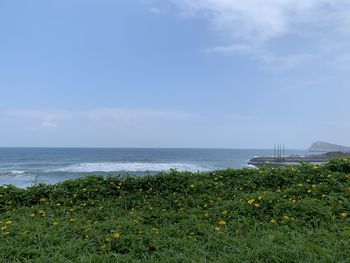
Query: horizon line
(137, 147)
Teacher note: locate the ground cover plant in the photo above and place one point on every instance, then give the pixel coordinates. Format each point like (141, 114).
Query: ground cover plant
(248, 215)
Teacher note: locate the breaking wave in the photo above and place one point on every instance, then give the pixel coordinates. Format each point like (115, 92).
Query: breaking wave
(14, 173)
(129, 167)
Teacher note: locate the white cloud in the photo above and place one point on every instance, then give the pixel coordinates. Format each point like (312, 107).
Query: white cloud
(45, 119)
(249, 27)
(267, 19)
(53, 118)
(264, 56)
(123, 114)
(156, 11)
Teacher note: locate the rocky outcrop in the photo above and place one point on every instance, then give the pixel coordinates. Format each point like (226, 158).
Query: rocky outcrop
(327, 147)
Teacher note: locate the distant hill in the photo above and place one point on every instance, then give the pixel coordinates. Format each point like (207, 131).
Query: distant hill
(327, 147)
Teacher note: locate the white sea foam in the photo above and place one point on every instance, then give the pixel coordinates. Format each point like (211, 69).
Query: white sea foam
(250, 166)
(16, 172)
(128, 167)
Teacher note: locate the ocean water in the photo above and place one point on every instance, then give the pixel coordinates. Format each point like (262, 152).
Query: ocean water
(23, 166)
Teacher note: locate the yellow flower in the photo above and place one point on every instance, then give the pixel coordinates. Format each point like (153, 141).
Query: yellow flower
(286, 217)
(116, 235)
(222, 222)
(32, 215)
(3, 228)
(314, 186)
(260, 197)
(309, 191)
(217, 229)
(42, 213)
(9, 222)
(206, 214)
(72, 220)
(224, 213)
(344, 215)
(251, 201)
(104, 248)
(55, 223)
(257, 205)
(273, 221)
(193, 186)
(43, 200)
(155, 230)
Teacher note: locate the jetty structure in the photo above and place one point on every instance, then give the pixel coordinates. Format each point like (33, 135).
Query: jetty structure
(280, 158)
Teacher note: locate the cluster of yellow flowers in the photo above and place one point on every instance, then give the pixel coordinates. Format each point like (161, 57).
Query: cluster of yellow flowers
(254, 202)
(5, 227)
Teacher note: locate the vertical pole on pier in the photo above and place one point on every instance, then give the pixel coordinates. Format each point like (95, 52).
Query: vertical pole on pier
(274, 150)
(279, 150)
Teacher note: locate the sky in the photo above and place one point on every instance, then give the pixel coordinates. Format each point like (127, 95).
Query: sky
(174, 73)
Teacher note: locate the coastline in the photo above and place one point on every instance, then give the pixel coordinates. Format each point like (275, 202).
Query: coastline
(242, 214)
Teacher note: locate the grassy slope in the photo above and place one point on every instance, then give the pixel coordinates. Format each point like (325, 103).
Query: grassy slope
(265, 215)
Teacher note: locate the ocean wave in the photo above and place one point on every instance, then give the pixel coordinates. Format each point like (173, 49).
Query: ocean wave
(16, 172)
(128, 167)
(12, 173)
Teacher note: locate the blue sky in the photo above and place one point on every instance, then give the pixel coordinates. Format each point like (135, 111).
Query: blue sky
(185, 73)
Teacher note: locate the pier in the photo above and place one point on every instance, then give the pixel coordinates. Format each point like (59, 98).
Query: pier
(280, 159)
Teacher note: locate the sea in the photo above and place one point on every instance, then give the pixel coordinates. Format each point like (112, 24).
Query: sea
(24, 167)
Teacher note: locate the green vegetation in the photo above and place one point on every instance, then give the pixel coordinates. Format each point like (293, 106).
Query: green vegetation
(265, 215)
